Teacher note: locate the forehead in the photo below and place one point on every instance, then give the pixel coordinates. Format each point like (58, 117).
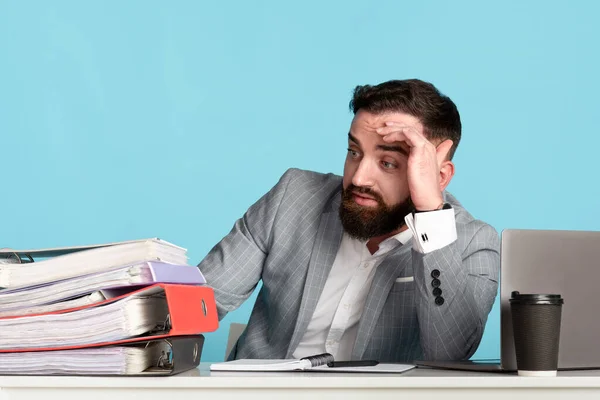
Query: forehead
(364, 124)
(370, 121)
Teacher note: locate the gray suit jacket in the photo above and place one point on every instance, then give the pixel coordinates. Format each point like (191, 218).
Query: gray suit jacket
(289, 239)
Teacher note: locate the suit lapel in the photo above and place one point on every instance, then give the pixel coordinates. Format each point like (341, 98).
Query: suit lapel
(390, 268)
(325, 248)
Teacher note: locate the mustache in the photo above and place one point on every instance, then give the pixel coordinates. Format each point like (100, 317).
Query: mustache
(362, 190)
(362, 222)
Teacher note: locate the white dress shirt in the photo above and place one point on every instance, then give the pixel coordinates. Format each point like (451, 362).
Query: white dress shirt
(334, 324)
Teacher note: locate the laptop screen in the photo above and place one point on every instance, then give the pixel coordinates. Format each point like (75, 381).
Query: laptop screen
(561, 262)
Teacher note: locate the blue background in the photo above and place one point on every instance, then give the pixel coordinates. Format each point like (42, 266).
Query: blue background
(125, 120)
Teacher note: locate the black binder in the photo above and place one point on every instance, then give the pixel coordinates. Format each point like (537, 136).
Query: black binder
(166, 356)
(180, 354)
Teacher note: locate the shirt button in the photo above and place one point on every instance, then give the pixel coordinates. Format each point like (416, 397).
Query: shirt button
(347, 306)
(435, 273)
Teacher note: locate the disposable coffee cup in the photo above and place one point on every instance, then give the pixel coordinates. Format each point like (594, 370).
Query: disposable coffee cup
(536, 330)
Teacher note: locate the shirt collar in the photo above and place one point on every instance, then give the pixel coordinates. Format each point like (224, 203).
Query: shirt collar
(388, 244)
(402, 237)
(392, 242)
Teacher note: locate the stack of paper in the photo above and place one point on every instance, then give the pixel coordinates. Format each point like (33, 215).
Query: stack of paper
(131, 316)
(83, 262)
(87, 289)
(127, 359)
(61, 304)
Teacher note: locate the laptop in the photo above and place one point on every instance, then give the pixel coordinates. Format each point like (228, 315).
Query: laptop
(548, 261)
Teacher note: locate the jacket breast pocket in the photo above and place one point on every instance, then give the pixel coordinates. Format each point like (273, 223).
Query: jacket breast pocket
(403, 284)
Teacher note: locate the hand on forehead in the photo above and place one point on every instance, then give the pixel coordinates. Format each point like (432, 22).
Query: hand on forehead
(371, 121)
(368, 128)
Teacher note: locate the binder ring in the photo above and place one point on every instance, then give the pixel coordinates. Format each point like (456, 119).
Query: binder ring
(162, 360)
(195, 352)
(15, 255)
(166, 357)
(164, 326)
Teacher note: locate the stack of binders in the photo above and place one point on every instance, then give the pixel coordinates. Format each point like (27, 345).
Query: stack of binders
(127, 308)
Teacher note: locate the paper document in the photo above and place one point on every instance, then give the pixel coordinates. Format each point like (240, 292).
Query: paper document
(59, 251)
(89, 261)
(379, 368)
(88, 299)
(124, 318)
(258, 365)
(14, 300)
(148, 357)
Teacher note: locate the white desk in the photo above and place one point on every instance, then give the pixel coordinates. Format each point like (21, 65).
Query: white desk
(199, 384)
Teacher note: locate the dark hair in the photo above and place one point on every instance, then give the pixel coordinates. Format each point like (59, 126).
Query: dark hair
(437, 113)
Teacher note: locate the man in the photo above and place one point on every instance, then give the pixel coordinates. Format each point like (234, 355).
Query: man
(380, 264)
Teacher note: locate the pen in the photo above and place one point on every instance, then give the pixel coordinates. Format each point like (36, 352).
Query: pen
(357, 363)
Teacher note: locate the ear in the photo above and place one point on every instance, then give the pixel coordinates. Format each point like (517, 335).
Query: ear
(446, 166)
(446, 174)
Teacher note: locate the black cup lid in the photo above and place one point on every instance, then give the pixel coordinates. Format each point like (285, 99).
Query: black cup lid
(537, 298)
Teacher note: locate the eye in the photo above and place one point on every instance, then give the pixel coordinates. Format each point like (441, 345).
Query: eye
(353, 153)
(388, 165)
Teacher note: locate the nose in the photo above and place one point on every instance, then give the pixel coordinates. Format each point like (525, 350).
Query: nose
(363, 176)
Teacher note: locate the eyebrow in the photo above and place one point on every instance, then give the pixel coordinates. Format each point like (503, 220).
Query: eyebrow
(352, 138)
(397, 149)
(382, 147)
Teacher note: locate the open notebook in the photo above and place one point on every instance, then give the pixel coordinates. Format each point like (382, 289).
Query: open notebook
(316, 363)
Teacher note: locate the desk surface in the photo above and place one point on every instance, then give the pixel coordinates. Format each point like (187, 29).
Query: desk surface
(418, 382)
(203, 378)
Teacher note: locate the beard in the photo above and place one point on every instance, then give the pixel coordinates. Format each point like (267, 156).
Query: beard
(364, 223)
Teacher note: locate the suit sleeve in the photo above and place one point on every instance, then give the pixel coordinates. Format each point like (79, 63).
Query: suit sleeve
(452, 318)
(234, 266)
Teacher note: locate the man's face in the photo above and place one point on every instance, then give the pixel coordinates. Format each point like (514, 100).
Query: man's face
(375, 195)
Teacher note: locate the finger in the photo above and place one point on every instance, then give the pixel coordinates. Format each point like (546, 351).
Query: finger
(395, 136)
(392, 127)
(443, 149)
(400, 133)
(412, 128)
(412, 132)
(400, 124)
(389, 129)
(414, 138)
(403, 135)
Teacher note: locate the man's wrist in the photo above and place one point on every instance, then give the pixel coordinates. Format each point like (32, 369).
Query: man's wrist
(440, 206)
(432, 230)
